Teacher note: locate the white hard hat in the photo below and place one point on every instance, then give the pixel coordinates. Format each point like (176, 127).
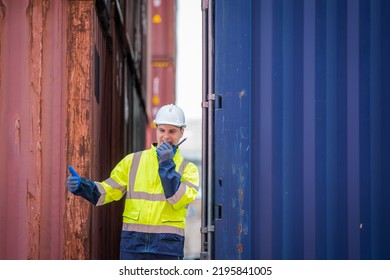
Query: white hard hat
(170, 114)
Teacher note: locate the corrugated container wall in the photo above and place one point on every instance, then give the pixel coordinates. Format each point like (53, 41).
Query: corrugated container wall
(32, 148)
(70, 93)
(302, 130)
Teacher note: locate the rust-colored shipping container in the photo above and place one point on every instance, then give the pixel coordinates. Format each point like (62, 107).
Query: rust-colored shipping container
(71, 92)
(162, 62)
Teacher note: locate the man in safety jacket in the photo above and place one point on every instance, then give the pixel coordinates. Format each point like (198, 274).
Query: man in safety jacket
(159, 185)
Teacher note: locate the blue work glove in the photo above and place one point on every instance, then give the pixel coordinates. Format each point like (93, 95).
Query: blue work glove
(74, 180)
(165, 152)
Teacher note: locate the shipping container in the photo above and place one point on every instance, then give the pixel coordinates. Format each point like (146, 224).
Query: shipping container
(161, 60)
(72, 92)
(296, 111)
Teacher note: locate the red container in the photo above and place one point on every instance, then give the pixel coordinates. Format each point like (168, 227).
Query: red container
(162, 60)
(66, 97)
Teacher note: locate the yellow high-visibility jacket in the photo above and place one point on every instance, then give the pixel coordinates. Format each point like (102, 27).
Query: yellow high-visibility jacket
(147, 209)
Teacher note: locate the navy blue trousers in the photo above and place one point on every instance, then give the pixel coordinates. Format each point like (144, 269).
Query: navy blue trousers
(147, 256)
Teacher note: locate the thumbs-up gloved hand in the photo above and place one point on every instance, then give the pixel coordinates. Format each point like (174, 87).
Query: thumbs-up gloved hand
(82, 187)
(74, 180)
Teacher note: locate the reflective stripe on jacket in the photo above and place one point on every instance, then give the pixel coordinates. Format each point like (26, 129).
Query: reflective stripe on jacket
(146, 208)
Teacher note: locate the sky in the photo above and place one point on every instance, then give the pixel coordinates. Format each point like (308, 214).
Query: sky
(189, 58)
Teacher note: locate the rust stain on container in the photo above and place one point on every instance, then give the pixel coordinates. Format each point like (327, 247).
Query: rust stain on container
(78, 135)
(240, 212)
(239, 248)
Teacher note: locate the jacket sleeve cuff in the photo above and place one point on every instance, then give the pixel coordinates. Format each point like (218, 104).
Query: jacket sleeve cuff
(88, 190)
(170, 179)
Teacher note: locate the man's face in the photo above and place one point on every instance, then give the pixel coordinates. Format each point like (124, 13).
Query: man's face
(168, 133)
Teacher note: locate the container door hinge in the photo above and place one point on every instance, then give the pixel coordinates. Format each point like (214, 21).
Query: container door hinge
(216, 98)
(207, 229)
(204, 256)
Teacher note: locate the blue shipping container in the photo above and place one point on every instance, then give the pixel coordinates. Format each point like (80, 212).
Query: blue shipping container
(301, 124)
